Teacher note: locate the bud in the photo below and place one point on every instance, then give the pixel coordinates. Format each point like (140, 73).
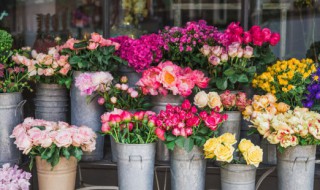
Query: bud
(101, 101)
(105, 128)
(124, 79)
(113, 100)
(118, 86)
(124, 87)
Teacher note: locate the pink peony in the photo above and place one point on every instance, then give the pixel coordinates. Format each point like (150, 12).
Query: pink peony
(228, 99)
(241, 101)
(101, 101)
(92, 46)
(160, 133)
(95, 37)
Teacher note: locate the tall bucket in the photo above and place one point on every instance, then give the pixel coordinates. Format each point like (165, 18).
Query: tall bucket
(83, 113)
(269, 152)
(188, 169)
(136, 166)
(11, 115)
(114, 153)
(159, 103)
(51, 102)
(61, 177)
(132, 75)
(296, 166)
(238, 177)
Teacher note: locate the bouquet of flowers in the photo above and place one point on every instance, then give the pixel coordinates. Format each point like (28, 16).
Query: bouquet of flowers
(140, 53)
(94, 54)
(182, 44)
(221, 148)
(312, 94)
(13, 178)
(287, 80)
(130, 128)
(170, 77)
(52, 140)
(226, 101)
(13, 76)
(51, 68)
(185, 127)
(233, 58)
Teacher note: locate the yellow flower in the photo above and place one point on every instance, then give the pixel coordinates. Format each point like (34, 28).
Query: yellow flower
(282, 107)
(253, 156)
(290, 87)
(247, 112)
(214, 101)
(228, 138)
(316, 78)
(245, 145)
(211, 145)
(284, 89)
(224, 153)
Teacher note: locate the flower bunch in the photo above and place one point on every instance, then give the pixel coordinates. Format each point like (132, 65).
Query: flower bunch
(264, 103)
(122, 97)
(6, 40)
(312, 95)
(88, 83)
(51, 68)
(13, 178)
(93, 54)
(221, 148)
(287, 80)
(185, 127)
(170, 77)
(50, 140)
(182, 44)
(140, 53)
(226, 101)
(129, 128)
(294, 127)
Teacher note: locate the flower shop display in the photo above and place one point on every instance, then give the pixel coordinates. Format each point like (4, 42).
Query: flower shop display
(287, 80)
(236, 172)
(13, 80)
(184, 131)
(52, 73)
(230, 103)
(14, 178)
(182, 44)
(134, 134)
(87, 111)
(237, 55)
(56, 147)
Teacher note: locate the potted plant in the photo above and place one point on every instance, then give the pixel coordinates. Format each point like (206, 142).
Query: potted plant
(14, 178)
(56, 147)
(168, 83)
(52, 73)
(93, 54)
(236, 173)
(134, 134)
(184, 131)
(13, 79)
(228, 103)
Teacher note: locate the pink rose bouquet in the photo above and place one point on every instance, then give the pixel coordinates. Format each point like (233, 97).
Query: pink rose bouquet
(169, 77)
(13, 178)
(50, 68)
(130, 128)
(93, 54)
(52, 140)
(185, 127)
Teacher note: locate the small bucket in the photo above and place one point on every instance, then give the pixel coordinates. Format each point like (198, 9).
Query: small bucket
(61, 177)
(188, 169)
(136, 166)
(296, 167)
(11, 114)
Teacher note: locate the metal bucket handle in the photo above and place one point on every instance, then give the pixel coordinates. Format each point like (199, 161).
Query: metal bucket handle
(301, 159)
(194, 156)
(19, 107)
(264, 176)
(136, 158)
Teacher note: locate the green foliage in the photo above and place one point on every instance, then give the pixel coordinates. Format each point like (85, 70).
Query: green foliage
(5, 40)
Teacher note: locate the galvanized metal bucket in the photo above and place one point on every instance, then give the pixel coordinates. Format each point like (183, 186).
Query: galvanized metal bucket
(255, 138)
(136, 166)
(296, 167)
(83, 113)
(188, 169)
(269, 152)
(51, 102)
(159, 103)
(114, 153)
(11, 114)
(132, 75)
(238, 177)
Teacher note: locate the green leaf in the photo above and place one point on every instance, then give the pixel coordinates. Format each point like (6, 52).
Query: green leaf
(188, 144)
(80, 45)
(252, 69)
(170, 137)
(170, 145)
(234, 78)
(78, 153)
(56, 157)
(243, 78)
(203, 130)
(229, 72)
(74, 60)
(222, 83)
(180, 141)
(66, 153)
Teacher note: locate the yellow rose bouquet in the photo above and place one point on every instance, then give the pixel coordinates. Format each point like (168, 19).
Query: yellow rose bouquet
(287, 80)
(221, 149)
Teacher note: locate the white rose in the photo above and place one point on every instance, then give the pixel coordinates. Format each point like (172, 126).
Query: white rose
(201, 99)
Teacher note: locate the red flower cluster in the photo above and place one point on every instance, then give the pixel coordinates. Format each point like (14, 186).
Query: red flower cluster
(184, 120)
